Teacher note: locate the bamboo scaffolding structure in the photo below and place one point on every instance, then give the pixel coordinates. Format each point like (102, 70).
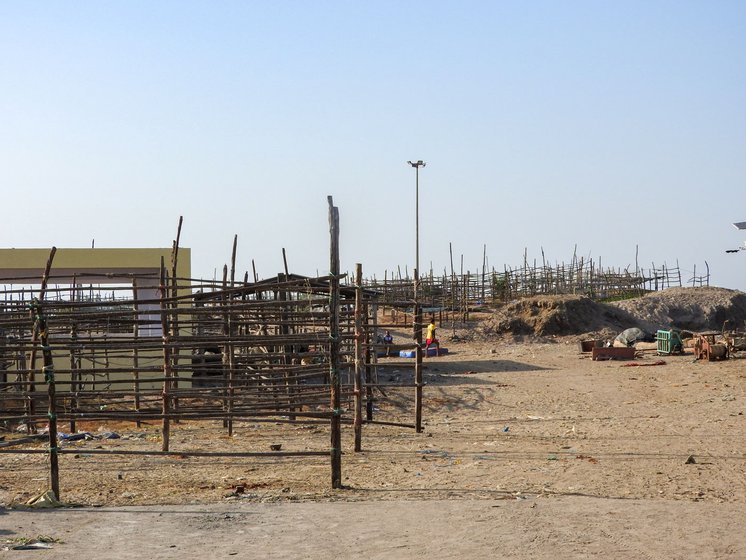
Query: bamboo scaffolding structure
(151, 350)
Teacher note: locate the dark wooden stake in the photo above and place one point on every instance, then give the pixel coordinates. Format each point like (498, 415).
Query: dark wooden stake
(336, 431)
(166, 426)
(42, 332)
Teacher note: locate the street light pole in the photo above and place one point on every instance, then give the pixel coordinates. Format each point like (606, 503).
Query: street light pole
(417, 319)
(417, 164)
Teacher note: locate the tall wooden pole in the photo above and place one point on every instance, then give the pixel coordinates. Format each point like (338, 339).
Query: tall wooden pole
(135, 353)
(174, 323)
(42, 331)
(165, 404)
(336, 432)
(73, 359)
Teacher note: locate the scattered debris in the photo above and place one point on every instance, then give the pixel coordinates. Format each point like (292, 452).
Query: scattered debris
(628, 337)
(637, 364)
(441, 454)
(21, 441)
(36, 543)
(109, 435)
(44, 500)
(74, 437)
(707, 348)
(612, 353)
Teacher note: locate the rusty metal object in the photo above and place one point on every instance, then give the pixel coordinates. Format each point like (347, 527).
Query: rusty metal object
(707, 348)
(613, 353)
(734, 339)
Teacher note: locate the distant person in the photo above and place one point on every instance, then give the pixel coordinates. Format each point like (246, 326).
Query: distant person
(430, 338)
(388, 340)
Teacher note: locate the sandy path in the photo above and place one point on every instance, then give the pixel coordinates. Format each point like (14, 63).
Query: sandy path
(565, 527)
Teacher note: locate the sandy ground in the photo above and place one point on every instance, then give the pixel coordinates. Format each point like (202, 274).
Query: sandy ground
(531, 450)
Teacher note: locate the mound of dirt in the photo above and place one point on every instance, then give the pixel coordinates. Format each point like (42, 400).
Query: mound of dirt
(694, 309)
(556, 315)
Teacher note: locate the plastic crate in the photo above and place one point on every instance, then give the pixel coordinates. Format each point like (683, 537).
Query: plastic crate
(668, 342)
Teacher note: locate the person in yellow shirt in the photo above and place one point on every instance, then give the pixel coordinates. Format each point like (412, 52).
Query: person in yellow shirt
(430, 338)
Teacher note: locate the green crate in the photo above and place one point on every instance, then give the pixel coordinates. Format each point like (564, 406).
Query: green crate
(669, 342)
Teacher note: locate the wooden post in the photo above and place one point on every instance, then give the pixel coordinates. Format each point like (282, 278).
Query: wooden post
(175, 316)
(358, 383)
(370, 357)
(285, 262)
(484, 273)
(135, 352)
(453, 291)
(73, 361)
(336, 432)
(287, 349)
(42, 331)
(227, 401)
(165, 404)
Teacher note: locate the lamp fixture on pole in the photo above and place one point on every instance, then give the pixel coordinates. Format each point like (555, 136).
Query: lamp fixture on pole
(417, 164)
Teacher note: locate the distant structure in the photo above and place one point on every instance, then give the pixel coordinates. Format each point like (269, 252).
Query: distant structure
(738, 225)
(79, 270)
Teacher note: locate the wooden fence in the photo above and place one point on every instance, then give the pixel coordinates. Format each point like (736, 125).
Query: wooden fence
(284, 349)
(453, 295)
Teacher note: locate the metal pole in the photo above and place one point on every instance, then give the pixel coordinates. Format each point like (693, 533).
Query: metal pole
(417, 322)
(417, 164)
(417, 218)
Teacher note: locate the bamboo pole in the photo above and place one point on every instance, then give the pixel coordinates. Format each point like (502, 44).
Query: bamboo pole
(166, 426)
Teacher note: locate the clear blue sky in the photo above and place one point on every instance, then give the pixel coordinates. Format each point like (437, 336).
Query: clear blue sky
(605, 125)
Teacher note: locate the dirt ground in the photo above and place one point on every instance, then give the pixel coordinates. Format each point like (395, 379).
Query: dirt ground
(530, 450)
